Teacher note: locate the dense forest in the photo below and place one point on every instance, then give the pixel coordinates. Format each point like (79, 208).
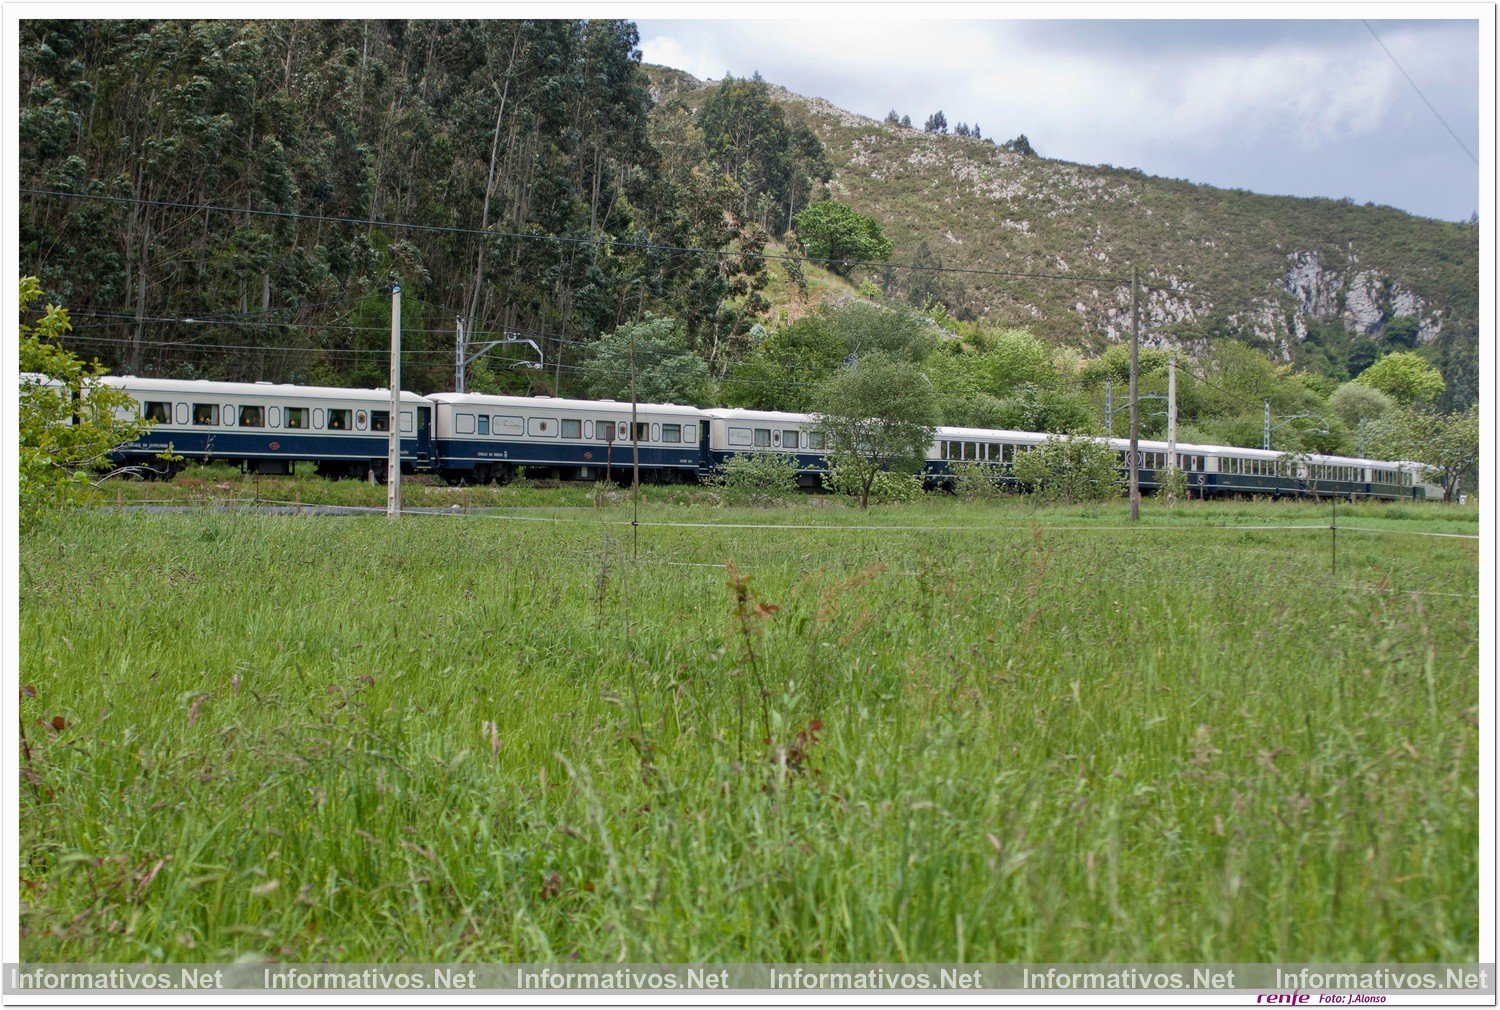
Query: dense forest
(233, 199)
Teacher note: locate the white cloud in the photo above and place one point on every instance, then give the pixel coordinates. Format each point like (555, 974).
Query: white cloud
(1240, 105)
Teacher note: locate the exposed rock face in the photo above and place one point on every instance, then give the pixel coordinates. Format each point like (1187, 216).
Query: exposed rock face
(1364, 300)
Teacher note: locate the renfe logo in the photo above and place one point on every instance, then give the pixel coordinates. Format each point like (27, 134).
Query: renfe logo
(1284, 998)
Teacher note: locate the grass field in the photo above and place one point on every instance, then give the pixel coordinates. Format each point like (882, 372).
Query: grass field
(1013, 735)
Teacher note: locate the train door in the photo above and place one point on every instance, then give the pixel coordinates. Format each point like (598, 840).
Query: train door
(424, 437)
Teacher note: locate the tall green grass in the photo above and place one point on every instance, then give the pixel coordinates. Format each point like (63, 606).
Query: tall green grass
(479, 738)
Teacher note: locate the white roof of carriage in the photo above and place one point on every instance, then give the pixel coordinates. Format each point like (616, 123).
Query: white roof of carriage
(195, 387)
(534, 403)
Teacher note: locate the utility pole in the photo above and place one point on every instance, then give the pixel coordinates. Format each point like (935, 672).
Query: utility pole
(1135, 413)
(1109, 405)
(635, 460)
(393, 452)
(1265, 438)
(1172, 409)
(460, 353)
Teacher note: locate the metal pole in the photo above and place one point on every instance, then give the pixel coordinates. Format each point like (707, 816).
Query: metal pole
(1265, 439)
(635, 460)
(1172, 409)
(1109, 409)
(393, 451)
(1135, 414)
(461, 351)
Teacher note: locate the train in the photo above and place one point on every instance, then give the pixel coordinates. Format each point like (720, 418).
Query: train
(475, 438)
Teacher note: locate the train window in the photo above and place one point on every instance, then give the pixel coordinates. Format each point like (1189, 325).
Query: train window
(973, 452)
(380, 420)
(671, 433)
(815, 440)
(656, 433)
(604, 431)
(407, 421)
(762, 436)
(588, 429)
(622, 432)
(361, 419)
(502, 424)
(541, 427)
(484, 424)
(252, 417)
(340, 419)
(642, 431)
(205, 413)
(690, 433)
(790, 438)
(158, 411)
(317, 417)
(572, 427)
(463, 424)
(739, 436)
(943, 449)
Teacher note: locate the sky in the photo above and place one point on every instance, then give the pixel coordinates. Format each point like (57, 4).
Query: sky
(1305, 108)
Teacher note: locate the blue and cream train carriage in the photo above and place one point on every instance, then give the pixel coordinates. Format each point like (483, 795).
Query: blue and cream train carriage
(486, 438)
(477, 438)
(268, 428)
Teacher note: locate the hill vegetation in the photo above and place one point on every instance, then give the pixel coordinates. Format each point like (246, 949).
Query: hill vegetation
(232, 200)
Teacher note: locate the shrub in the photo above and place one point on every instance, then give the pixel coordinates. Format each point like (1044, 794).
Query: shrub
(1070, 469)
(1172, 484)
(759, 478)
(976, 481)
(886, 486)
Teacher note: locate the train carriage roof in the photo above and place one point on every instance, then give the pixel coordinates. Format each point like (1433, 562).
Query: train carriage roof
(562, 403)
(194, 387)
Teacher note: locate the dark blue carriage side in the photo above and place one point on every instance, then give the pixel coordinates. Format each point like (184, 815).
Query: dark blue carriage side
(354, 452)
(459, 455)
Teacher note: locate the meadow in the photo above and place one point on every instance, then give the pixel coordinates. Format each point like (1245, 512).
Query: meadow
(977, 732)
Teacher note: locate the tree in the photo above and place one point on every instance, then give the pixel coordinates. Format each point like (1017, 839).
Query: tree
(784, 370)
(832, 230)
(666, 369)
(749, 136)
(924, 281)
(68, 422)
(906, 122)
(1406, 376)
(1363, 352)
(1401, 332)
(867, 328)
(1447, 443)
(1070, 469)
(879, 414)
(936, 123)
(893, 118)
(1020, 145)
(1354, 403)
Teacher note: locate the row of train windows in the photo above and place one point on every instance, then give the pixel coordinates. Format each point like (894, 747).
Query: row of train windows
(993, 452)
(214, 415)
(602, 430)
(1391, 477)
(775, 438)
(1248, 467)
(1149, 459)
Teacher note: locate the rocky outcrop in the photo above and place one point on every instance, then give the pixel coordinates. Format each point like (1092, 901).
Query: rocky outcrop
(1364, 299)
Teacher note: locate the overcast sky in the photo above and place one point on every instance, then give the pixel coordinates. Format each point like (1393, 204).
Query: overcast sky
(1309, 108)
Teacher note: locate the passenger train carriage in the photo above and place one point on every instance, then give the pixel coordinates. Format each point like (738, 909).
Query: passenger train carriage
(267, 428)
(476, 438)
(733, 431)
(485, 438)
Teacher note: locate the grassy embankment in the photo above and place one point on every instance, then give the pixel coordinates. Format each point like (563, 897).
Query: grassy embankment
(333, 738)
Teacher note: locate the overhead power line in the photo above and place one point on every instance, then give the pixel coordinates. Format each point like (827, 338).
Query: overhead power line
(1418, 90)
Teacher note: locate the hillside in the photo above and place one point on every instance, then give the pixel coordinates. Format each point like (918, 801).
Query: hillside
(1213, 261)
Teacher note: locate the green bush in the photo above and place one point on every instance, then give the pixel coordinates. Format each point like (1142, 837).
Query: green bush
(886, 487)
(1172, 484)
(758, 478)
(976, 481)
(1071, 469)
